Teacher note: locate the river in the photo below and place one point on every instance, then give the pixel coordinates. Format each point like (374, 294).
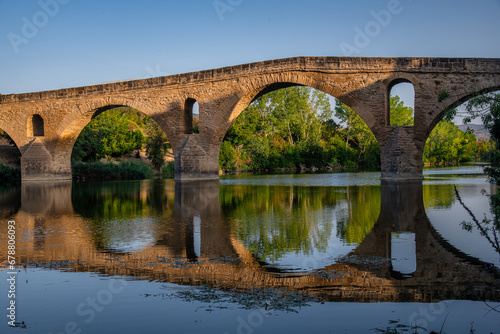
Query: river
(322, 253)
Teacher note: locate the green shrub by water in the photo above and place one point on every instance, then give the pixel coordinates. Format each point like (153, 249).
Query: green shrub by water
(167, 172)
(124, 170)
(9, 175)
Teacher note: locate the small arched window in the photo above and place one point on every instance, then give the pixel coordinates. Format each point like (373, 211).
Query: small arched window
(192, 116)
(35, 126)
(401, 103)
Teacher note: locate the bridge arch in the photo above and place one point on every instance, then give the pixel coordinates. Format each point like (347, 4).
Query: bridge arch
(14, 135)
(255, 88)
(457, 98)
(76, 121)
(10, 154)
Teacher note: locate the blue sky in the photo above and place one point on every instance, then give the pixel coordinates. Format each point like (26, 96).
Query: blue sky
(84, 42)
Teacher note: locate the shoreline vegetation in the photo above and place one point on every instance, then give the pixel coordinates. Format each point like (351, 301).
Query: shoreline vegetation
(293, 130)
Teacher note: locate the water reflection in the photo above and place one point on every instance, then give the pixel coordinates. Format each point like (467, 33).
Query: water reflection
(337, 243)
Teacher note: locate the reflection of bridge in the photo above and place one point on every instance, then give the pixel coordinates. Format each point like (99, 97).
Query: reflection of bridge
(194, 246)
(45, 125)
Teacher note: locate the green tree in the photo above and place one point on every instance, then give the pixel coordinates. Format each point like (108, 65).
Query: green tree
(401, 115)
(447, 144)
(275, 128)
(358, 136)
(111, 134)
(156, 144)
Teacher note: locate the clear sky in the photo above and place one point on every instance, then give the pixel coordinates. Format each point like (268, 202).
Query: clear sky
(53, 44)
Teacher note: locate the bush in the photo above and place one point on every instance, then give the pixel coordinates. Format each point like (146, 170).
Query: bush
(9, 175)
(227, 156)
(167, 172)
(125, 170)
(313, 156)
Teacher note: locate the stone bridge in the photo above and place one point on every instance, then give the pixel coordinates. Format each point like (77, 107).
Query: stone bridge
(45, 125)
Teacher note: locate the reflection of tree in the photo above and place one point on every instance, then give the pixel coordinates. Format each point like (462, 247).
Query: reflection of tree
(364, 209)
(272, 221)
(114, 200)
(114, 206)
(438, 196)
(486, 227)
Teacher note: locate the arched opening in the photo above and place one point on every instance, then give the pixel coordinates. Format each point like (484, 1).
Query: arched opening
(118, 142)
(10, 160)
(400, 103)
(297, 128)
(464, 134)
(36, 126)
(192, 116)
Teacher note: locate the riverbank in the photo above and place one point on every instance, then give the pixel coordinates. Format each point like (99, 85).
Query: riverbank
(119, 170)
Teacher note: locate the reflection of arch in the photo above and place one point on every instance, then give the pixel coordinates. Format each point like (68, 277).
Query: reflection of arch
(402, 209)
(36, 126)
(271, 82)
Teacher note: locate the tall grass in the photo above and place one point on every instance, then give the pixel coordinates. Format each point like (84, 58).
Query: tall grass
(124, 170)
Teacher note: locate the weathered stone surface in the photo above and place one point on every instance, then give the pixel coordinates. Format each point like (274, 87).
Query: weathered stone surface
(222, 94)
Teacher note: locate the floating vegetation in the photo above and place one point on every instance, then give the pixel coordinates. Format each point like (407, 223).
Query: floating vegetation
(256, 298)
(322, 273)
(396, 327)
(354, 259)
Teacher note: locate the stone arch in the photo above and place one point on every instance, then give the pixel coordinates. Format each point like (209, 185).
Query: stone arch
(10, 155)
(14, 135)
(71, 127)
(254, 88)
(457, 99)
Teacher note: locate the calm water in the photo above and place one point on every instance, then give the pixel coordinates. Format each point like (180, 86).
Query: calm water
(325, 253)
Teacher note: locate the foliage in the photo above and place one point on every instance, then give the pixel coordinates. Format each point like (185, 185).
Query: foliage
(401, 115)
(124, 170)
(487, 107)
(156, 144)
(117, 133)
(358, 137)
(168, 171)
(112, 134)
(293, 127)
(447, 144)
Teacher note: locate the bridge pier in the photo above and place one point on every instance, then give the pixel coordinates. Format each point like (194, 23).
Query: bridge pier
(38, 164)
(401, 156)
(193, 162)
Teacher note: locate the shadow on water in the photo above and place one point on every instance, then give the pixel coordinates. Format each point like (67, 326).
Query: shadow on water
(226, 236)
